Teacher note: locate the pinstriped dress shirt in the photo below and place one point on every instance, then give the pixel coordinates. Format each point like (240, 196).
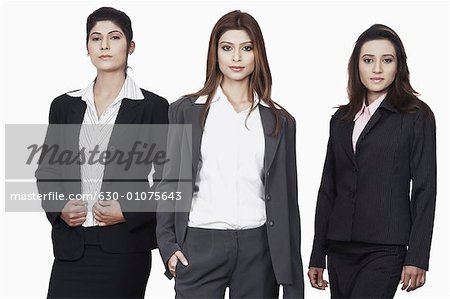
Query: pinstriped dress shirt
(94, 136)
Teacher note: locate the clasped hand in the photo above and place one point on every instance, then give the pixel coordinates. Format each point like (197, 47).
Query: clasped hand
(106, 212)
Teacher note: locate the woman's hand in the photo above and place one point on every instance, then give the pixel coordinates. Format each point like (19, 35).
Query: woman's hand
(412, 278)
(74, 213)
(108, 212)
(178, 256)
(316, 278)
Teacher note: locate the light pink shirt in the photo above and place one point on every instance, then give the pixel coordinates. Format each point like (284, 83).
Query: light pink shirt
(362, 118)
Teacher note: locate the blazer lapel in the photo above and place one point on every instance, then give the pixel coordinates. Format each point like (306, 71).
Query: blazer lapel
(72, 133)
(125, 116)
(192, 116)
(344, 134)
(73, 124)
(372, 122)
(271, 142)
(76, 114)
(127, 112)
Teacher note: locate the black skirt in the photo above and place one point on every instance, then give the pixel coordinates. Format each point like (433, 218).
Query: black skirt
(101, 274)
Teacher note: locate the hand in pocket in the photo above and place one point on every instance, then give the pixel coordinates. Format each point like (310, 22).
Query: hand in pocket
(178, 256)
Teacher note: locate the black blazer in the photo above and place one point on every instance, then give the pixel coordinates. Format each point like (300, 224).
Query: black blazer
(137, 233)
(283, 221)
(365, 196)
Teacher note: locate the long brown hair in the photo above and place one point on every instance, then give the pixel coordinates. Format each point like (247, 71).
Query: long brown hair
(400, 94)
(261, 78)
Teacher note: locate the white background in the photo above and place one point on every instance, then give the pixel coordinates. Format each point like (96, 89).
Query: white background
(43, 55)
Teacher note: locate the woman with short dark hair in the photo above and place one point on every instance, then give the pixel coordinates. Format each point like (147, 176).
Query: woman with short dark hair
(102, 247)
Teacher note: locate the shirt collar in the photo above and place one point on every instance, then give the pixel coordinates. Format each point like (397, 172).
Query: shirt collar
(129, 90)
(218, 95)
(372, 107)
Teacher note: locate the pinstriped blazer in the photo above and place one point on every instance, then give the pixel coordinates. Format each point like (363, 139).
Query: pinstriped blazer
(385, 192)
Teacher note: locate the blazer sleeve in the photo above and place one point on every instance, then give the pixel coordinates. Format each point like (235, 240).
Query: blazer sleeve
(325, 201)
(135, 220)
(297, 288)
(49, 175)
(423, 196)
(165, 227)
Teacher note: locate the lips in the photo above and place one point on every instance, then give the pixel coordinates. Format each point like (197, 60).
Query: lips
(105, 57)
(376, 79)
(236, 68)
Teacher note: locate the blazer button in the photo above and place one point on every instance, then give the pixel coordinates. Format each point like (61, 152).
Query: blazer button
(268, 197)
(112, 148)
(270, 223)
(355, 169)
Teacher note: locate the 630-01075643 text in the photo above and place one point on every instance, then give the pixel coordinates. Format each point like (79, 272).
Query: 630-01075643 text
(51, 196)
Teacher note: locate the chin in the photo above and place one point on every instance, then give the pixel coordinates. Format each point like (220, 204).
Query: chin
(109, 68)
(237, 77)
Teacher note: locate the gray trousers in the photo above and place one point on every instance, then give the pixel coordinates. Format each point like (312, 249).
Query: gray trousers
(238, 259)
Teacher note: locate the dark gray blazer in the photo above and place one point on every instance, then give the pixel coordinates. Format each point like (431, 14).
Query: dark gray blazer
(283, 220)
(365, 196)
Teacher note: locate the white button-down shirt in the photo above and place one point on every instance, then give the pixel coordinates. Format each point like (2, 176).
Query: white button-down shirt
(229, 184)
(95, 134)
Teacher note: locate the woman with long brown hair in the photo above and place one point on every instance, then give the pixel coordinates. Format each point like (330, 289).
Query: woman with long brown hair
(376, 202)
(240, 227)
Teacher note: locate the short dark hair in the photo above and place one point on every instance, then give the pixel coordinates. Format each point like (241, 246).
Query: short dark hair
(116, 16)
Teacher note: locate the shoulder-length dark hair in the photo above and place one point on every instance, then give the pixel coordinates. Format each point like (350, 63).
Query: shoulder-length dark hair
(400, 94)
(260, 79)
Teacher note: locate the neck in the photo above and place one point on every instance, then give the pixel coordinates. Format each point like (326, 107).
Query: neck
(371, 97)
(236, 91)
(108, 83)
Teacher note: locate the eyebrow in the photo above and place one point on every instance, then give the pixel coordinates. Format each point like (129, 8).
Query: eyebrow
(113, 31)
(247, 42)
(384, 55)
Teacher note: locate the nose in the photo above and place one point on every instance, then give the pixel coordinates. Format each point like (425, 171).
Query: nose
(236, 55)
(377, 67)
(105, 44)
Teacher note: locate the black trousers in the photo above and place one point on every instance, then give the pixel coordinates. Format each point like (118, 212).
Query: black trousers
(100, 274)
(361, 270)
(238, 259)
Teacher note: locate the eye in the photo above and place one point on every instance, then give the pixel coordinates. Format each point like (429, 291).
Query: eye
(368, 60)
(94, 39)
(388, 60)
(247, 48)
(115, 37)
(226, 48)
